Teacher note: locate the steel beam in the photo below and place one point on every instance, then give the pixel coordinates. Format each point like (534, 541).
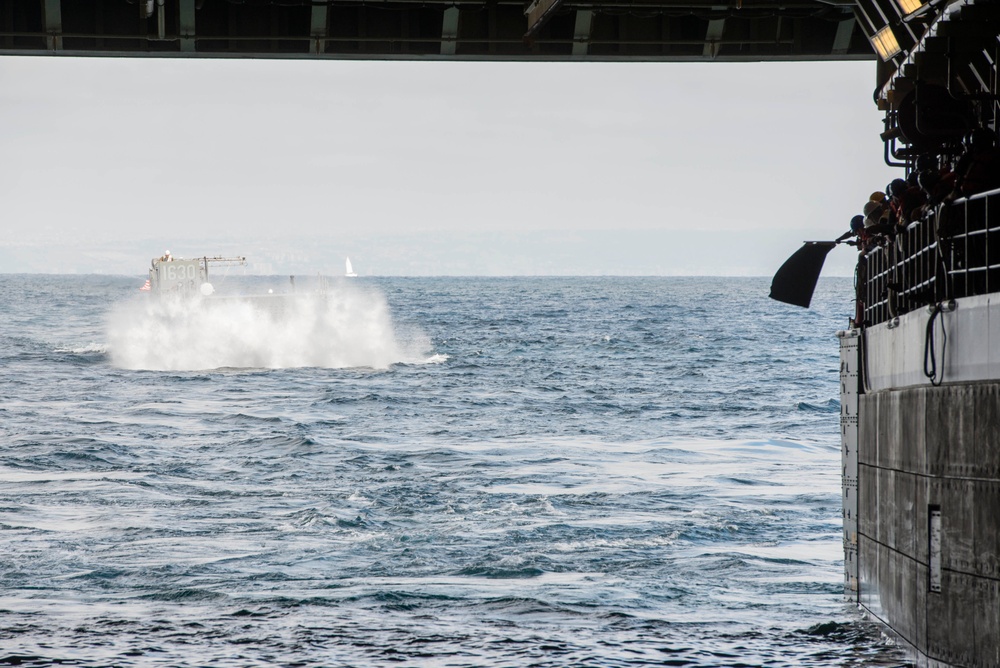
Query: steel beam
(449, 31)
(318, 29)
(842, 40)
(713, 38)
(538, 12)
(861, 11)
(187, 25)
(161, 20)
(53, 25)
(581, 33)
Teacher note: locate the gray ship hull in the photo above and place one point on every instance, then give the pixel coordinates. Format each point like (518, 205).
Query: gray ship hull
(922, 479)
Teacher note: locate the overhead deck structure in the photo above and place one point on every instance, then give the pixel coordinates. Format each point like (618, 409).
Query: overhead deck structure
(920, 367)
(645, 30)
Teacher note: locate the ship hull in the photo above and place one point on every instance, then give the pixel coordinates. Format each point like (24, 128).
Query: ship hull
(922, 479)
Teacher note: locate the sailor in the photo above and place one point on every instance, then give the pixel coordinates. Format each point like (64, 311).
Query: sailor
(856, 230)
(867, 239)
(167, 257)
(906, 200)
(864, 244)
(877, 217)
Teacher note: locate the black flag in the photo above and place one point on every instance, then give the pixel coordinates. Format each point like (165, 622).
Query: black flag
(795, 281)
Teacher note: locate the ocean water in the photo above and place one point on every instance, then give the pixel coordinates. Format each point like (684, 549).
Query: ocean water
(432, 472)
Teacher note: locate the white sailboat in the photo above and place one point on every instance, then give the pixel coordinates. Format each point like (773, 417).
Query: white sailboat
(350, 270)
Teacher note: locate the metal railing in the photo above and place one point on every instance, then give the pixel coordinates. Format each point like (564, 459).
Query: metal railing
(953, 253)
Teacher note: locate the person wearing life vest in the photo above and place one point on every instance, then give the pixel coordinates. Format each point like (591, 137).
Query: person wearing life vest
(877, 223)
(905, 201)
(864, 242)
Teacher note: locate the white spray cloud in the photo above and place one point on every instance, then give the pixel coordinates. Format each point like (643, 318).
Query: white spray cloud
(344, 327)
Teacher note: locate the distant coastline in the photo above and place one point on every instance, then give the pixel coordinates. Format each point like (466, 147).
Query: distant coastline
(468, 253)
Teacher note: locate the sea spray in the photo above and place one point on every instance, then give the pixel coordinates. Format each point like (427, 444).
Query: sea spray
(345, 327)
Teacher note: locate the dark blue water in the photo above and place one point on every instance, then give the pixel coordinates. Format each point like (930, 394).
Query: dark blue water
(439, 472)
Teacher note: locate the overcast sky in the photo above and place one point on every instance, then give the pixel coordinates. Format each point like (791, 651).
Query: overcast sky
(432, 168)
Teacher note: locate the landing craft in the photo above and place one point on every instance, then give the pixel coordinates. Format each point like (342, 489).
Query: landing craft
(186, 321)
(177, 276)
(171, 277)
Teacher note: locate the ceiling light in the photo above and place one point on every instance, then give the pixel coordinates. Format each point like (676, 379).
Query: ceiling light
(910, 6)
(885, 43)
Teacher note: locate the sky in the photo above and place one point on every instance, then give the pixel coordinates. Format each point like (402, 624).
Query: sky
(433, 168)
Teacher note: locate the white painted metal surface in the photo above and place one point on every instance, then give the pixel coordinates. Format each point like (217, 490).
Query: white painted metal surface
(894, 357)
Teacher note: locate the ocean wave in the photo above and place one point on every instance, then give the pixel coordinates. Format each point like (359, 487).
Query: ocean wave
(88, 349)
(435, 359)
(500, 573)
(829, 406)
(183, 595)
